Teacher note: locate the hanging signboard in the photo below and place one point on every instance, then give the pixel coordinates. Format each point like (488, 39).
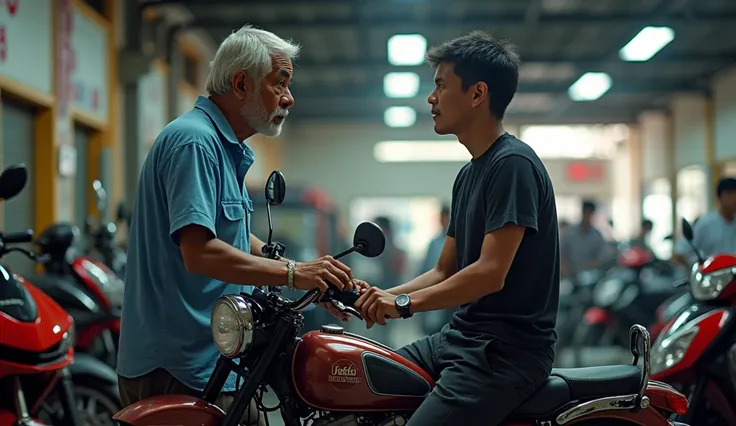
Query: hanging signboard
(26, 43)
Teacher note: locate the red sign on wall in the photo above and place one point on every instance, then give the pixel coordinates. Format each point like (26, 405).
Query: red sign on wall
(585, 171)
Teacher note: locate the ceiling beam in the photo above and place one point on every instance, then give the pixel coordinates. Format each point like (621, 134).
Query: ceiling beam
(309, 65)
(401, 23)
(609, 116)
(372, 93)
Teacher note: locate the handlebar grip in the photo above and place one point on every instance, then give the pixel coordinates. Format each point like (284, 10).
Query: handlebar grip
(347, 297)
(18, 237)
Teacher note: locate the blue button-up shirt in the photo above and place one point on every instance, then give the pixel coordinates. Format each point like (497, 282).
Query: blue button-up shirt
(194, 175)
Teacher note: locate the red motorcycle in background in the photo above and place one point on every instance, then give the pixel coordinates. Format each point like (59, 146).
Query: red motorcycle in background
(37, 339)
(331, 377)
(86, 288)
(696, 350)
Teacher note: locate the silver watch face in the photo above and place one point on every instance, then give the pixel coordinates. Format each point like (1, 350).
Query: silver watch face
(402, 300)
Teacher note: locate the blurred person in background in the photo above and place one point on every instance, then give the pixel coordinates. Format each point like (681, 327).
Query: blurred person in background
(393, 260)
(714, 232)
(583, 246)
(189, 240)
(390, 269)
(642, 239)
(435, 245)
(433, 321)
(500, 261)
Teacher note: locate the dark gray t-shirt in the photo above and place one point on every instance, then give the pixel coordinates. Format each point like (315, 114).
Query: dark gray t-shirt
(509, 184)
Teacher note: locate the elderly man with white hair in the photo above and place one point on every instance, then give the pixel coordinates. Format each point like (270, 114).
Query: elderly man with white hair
(190, 240)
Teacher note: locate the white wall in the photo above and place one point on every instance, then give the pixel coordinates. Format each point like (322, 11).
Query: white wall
(689, 112)
(339, 158)
(655, 133)
(724, 103)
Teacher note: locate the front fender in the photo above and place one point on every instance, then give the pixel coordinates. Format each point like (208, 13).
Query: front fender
(87, 365)
(170, 410)
(8, 418)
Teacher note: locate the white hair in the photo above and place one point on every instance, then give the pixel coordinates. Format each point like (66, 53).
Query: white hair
(249, 49)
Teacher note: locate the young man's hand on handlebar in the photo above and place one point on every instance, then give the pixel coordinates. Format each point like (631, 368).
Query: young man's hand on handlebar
(362, 287)
(317, 274)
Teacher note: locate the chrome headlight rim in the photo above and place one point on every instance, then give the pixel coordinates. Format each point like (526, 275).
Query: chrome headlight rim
(706, 287)
(243, 313)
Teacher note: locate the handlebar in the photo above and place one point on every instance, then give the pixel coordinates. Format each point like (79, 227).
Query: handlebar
(342, 300)
(17, 237)
(20, 238)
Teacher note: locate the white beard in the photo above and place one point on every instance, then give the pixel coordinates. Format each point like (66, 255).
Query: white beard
(255, 115)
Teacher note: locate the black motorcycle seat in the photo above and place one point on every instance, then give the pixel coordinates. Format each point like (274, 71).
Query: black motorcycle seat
(571, 384)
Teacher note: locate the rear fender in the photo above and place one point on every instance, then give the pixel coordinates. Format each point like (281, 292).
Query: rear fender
(170, 410)
(596, 315)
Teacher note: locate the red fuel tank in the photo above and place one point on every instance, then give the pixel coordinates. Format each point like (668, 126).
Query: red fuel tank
(338, 371)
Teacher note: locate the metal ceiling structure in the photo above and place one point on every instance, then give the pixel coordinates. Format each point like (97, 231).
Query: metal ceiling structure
(339, 75)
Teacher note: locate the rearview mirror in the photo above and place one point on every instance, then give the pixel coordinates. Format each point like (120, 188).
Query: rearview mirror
(687, 230)
(369, 239)
(100, 194)
(275, 188)
(12, 181)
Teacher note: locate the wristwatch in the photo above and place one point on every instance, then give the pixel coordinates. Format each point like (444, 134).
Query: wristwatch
(290, 274)
(403, 305)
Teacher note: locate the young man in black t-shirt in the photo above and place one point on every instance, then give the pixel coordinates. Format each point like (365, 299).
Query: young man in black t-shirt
(500, 261)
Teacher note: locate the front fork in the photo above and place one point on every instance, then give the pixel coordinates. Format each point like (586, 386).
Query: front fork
(68, 400)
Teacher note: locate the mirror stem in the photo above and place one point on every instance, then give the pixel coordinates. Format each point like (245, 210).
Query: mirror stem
(357, 248)
(270, 224)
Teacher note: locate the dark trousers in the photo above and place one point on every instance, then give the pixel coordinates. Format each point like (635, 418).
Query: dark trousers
(479, 380)
(161, 382)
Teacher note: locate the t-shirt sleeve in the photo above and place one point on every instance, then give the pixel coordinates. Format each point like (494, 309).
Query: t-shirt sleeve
(512, 195)
(451, 227)
(190, 178)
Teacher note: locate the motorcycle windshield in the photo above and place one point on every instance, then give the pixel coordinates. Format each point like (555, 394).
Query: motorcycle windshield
(15, 301)
(686, 317)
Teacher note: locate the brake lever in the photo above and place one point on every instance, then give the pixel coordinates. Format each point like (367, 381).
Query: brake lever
(346, 309)
(31, 255)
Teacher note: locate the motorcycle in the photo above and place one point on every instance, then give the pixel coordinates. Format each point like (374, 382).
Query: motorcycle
(37, 339)
(628, 294)
(696, 351)
(330, 377)
(103, 234)
(86, 288)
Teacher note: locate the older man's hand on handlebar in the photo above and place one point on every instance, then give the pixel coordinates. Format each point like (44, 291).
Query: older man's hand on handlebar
(317, 274)
(377, 306)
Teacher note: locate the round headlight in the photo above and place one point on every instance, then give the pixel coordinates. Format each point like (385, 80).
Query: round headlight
(232, 325)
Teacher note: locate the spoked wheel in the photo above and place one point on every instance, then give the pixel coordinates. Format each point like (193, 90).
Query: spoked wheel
(96, 402)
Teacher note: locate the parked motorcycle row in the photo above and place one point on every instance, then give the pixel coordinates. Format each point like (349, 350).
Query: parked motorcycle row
(57, 354)
(690, 317)
(60, 327)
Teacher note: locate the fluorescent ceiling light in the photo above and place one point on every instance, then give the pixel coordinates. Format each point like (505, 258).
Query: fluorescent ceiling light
(399, 116)
(401, 84)
(420, 151)
(406, 49)
(589, 87)
(647, 43)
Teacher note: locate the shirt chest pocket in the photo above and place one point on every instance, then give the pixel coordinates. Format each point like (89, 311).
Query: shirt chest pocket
(233, 225)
